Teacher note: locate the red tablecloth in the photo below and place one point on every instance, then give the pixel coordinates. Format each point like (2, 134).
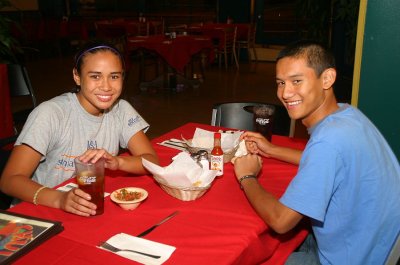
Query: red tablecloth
(219, 228)
(176, 52)
(6, 121)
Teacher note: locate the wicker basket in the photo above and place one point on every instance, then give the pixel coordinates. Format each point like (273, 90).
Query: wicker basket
(183, 194)
(228, 155)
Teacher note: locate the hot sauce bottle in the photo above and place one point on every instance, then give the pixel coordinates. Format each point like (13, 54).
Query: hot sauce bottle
(217, 155)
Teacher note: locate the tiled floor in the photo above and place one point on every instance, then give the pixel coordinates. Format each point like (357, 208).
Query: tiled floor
(163, 110)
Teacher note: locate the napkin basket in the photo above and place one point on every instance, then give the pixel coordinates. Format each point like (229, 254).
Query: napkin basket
(228, 155)
(183, 194)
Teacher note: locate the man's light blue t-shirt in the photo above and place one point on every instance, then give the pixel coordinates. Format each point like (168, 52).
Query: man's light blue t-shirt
(348, 183)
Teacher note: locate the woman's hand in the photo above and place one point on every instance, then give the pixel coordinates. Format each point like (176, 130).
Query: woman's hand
(76, 201)
(93, 155)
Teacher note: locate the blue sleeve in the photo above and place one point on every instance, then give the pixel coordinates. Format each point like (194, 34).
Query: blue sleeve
(311, 190)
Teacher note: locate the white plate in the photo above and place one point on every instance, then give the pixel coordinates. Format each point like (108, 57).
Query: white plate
(129, 189)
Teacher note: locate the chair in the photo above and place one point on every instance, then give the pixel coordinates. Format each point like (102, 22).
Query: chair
(156, 27)
(177, 28)
(394, 255)
(5, 200)
(227, 47)
(249, 44)
(20, 86)
(238, 115)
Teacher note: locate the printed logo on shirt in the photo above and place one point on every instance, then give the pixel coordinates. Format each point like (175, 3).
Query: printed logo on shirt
(92, 144)
(66, 163)
(132, 121)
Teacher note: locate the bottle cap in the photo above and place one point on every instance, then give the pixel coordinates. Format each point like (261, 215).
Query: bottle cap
(217, 135)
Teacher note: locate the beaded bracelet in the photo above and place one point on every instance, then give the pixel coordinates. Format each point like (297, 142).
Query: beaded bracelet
(246, 177)
(36, 194)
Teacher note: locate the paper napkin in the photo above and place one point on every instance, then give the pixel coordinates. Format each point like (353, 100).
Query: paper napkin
(125, 241)
(205, 139)
(242, 150)
(182, 172)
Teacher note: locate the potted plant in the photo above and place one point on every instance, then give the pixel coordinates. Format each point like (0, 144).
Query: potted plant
(9, 45)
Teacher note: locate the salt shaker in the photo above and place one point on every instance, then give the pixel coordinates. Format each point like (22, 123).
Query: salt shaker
(203, 158)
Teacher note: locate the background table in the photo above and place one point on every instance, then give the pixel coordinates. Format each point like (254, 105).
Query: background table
(176, 52)
(219, 228)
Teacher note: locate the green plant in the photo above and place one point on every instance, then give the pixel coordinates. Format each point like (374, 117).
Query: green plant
(9, 46)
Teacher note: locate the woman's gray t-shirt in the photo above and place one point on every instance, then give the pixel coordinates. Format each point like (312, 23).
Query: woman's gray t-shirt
(61, 129)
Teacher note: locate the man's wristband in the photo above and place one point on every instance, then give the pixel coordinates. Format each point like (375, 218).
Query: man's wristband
(246, 177)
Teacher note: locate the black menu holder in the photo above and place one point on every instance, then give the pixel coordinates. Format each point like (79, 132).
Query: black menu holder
(20, 233)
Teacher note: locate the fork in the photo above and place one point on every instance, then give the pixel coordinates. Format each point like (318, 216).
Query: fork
(115, 249)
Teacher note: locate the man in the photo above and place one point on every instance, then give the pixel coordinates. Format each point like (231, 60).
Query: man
(348, 179)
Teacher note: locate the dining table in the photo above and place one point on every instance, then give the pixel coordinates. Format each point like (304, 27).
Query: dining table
(6, 119)
(176, 53)
(220, 227)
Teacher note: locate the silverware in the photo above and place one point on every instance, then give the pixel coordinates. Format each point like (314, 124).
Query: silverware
(115, 249)
(154, 226)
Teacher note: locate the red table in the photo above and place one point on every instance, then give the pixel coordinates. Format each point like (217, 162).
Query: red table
(6, 121)
(176, 52)
(219, 228)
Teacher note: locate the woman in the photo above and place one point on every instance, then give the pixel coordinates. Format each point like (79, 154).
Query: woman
(90, 123)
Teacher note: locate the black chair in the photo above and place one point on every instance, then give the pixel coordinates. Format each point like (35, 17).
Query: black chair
(20, 86)
(238, 115)
(394, 255)
(5, 200)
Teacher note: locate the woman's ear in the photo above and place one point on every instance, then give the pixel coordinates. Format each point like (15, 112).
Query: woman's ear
(76, 77)
(328, 78)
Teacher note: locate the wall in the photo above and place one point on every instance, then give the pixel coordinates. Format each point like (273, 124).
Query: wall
(378, 64)
(23, 5)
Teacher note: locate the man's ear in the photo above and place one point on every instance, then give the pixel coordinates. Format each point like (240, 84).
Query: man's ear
(76, 77)
(328, 78)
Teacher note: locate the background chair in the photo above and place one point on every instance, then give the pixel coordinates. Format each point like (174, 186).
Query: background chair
(394, 255)
(234, 115)
(227, 47)
(20, 86)
(5, 151)
(249, 44)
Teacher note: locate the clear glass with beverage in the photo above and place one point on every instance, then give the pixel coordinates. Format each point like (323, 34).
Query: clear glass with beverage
(90, 179)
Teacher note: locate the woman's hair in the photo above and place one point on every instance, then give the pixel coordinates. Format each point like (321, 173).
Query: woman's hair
(92, 48)
(318, 57)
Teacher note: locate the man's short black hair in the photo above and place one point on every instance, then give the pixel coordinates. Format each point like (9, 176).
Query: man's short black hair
(318, 57)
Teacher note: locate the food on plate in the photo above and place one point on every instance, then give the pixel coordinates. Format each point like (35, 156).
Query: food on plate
(126, 195)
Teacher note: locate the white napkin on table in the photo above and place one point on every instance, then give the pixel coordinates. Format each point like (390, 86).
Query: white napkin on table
(125, 241)
(205, 139)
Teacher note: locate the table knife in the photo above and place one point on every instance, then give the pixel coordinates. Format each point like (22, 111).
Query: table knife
(161, 222)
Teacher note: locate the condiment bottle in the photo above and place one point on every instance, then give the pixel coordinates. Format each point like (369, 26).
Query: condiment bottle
(217, 155)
